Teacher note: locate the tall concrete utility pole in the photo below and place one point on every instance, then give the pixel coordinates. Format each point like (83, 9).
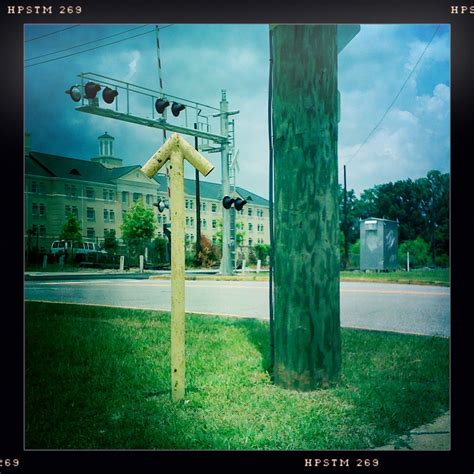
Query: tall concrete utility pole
(306, 220)
(226, 262)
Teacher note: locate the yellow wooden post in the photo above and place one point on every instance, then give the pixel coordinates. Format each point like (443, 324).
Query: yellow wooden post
(177, 275)
(176, 149)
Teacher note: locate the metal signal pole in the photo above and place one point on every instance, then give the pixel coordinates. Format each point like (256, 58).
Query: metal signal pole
(226, 262)
(346, 227)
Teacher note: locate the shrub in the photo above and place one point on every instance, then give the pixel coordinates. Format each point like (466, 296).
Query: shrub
(419, 252)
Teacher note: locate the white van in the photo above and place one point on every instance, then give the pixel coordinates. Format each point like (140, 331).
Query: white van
(60, 247)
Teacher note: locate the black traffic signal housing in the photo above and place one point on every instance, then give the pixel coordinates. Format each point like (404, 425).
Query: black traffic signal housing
(177, 108)
(74, 92)
(109, 95)
(227, 202)
(161, 205)
(91, 89)
(238, 203)
(161, 104)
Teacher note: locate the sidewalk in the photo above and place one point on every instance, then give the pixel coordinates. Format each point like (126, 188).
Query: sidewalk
(435, 436)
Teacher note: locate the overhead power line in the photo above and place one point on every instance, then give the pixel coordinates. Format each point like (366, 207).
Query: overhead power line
(396, 97)
(84, 44)
(96, 47)
(52, 33)
(90, 49)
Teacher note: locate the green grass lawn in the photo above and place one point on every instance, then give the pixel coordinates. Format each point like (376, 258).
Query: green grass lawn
(99, 378)
(437, 276)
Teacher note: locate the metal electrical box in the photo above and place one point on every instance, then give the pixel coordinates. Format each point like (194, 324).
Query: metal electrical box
(378, 244)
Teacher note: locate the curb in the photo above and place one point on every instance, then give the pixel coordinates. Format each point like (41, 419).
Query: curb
(434, 436)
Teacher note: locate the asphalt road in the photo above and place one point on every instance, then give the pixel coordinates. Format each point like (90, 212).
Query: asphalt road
(388, 307)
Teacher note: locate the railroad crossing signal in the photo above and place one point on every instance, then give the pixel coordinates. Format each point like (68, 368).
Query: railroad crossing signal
(238, 203)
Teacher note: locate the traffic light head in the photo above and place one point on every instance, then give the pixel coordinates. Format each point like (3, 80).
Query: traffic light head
(74, 92)
(176, 108)
(227, 202)
(161, 205)
(109, 95)
(91, 89)
(160, 105)
(239, 204)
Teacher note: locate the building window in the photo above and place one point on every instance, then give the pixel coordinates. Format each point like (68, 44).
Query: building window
(73, 191)
(250, 226)
(159, 219)
(106, 215)
(105, 194)
(191, 204)
(112, 215)
(191, 221)
(42, 230)
(214, 207)
(34, 228)
(214, 240)
(186, 238)
(187, 221)
(67, 210)
(164, 219)
(90, 233)
(90, 214)
(204, 223)
(74, 211)
(186, 204)
(203, 206)
(250, 242)
(34, 187)
(137, 197)
(90, 193)
(249, 212)
(34, 209)
(124, 196)
(214, 224)
(192, 237)
(111, 195)
(42, 210)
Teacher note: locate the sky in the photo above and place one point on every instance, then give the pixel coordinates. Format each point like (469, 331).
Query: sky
(199, 61)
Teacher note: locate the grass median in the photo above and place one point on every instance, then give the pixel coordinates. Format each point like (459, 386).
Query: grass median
(98, 378)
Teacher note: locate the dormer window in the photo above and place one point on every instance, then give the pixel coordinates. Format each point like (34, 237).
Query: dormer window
(75, 171)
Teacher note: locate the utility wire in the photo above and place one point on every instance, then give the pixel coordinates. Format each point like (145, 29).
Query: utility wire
(84, 44)
(92, 49)
(396, 97)
(52, 33)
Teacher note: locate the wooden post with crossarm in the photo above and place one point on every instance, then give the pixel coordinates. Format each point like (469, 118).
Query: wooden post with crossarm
(176, 149)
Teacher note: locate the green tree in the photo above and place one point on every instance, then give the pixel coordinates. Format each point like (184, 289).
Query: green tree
(138, 228)
(262, 251)
(71, 232)
(435, 207)
(159, 250)
(419, 251)
(110, 241)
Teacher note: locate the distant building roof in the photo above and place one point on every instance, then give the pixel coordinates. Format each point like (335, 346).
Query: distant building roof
(43, 164)
(211, 190)
(106, 135)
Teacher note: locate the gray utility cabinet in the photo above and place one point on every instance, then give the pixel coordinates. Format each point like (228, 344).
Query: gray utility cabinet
(378, 244)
